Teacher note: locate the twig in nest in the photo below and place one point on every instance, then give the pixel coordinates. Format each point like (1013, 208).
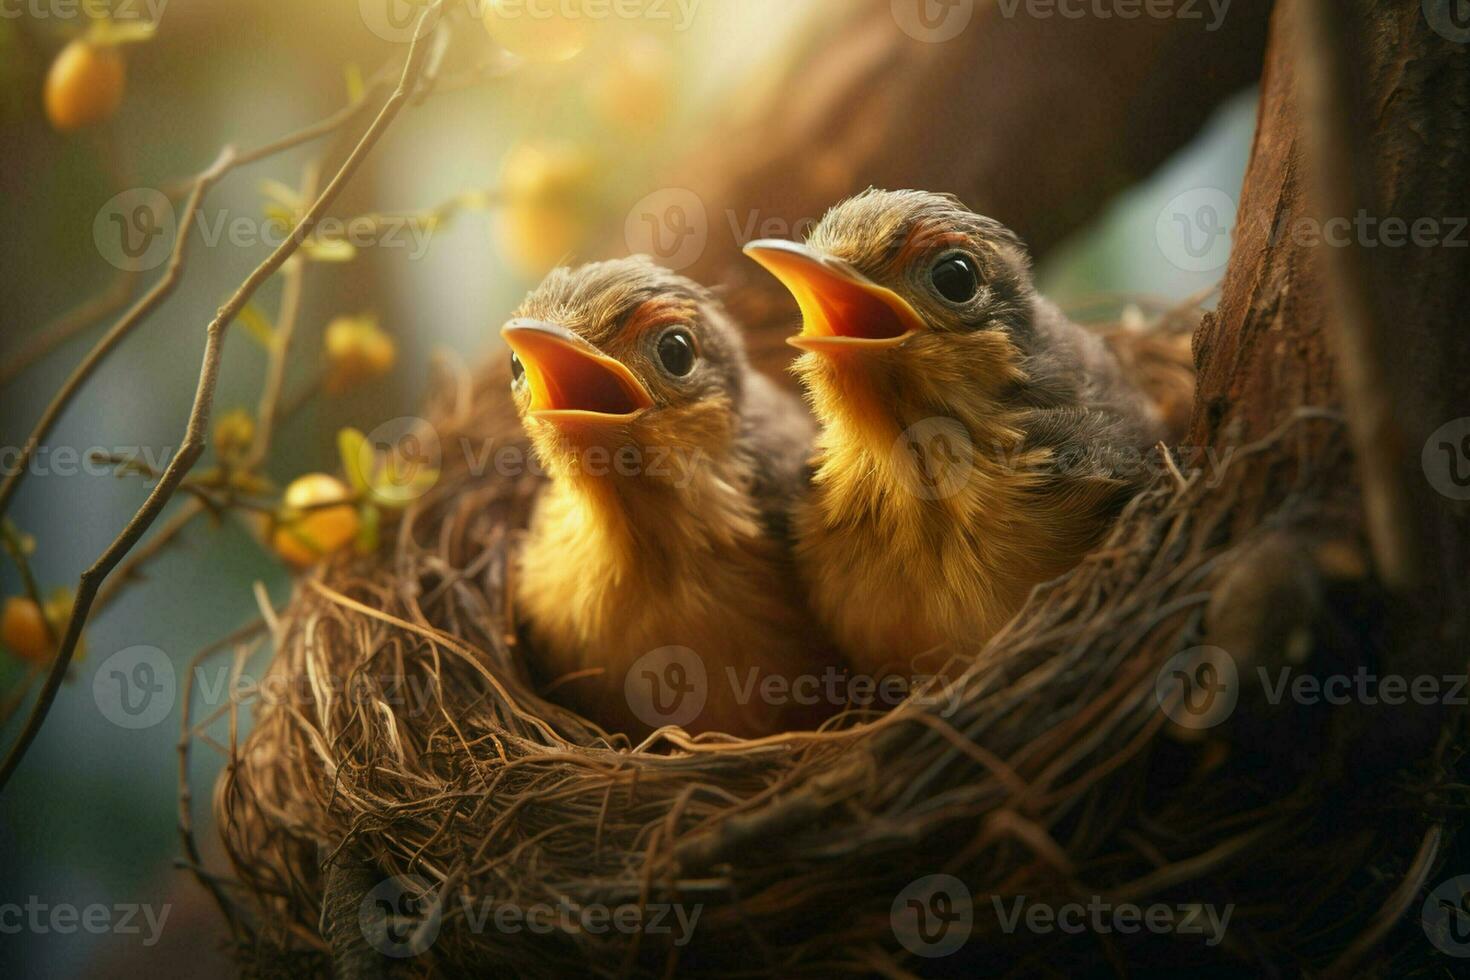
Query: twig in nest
(185, 744)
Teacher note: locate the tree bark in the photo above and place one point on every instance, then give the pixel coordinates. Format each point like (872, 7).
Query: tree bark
(1363, 123)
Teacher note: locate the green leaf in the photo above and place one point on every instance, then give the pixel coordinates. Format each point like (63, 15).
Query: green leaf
(58, 610)
(356, 86)
(368, 536)
(111, 32)
(282, 217)
(329, 250)
(258, 325)
(353, 447)
(398, 483)
(283, 195)
(22, 541)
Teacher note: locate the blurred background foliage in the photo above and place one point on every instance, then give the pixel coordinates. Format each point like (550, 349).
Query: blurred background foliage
(549, 156)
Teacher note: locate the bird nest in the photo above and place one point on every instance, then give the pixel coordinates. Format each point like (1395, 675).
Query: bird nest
(417, 794)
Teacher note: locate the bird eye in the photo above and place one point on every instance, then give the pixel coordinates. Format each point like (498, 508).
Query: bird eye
(676, 352)
(955, 278)
(517, 369)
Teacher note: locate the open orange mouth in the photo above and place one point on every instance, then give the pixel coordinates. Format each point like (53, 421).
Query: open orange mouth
(569, 379)
(840, 307)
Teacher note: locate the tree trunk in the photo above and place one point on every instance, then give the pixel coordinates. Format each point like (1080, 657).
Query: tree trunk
(1387, 139)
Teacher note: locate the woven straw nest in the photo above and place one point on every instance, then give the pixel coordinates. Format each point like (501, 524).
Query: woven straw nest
(1056, 777)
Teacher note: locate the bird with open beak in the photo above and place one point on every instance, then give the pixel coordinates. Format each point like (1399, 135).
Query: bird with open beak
(664, 525)
(975, 441)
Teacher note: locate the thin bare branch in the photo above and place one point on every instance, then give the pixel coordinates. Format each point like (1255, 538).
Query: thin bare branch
(267, 412)
(129, 571)
(287, 318)
(69, 325)
(119, 332)
(196, 430)
(90, 312)
(245, 634)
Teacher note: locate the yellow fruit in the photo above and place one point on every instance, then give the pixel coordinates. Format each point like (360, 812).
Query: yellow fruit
(85, 86)
(546, 190)
(234, 434)
(357, 351)
(537, 238)
(546, 172)
(58, 610)
(310, 529)
(23, 630)
(546, 32)
(634, 89)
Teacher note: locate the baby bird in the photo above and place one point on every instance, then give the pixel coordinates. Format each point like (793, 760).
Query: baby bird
(976, 442)
(672, 465)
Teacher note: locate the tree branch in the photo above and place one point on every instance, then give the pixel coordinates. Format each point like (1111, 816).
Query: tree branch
(70, 324)
(120, 331)
(197, 428)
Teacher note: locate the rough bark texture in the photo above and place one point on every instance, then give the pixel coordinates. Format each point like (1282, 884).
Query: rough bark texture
(1262, 354)
(1274, 345)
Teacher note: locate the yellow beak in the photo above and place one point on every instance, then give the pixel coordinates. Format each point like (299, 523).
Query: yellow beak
(841, 309)
(571, 381)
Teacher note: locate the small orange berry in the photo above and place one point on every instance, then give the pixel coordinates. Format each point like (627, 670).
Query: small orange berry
(357, 350)
(547, 172)
(538, 35)
(310, 529)
(23, 630)
(85, 85)
(535, 238)
(234, 434)
(547, 190)
(634, 89)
